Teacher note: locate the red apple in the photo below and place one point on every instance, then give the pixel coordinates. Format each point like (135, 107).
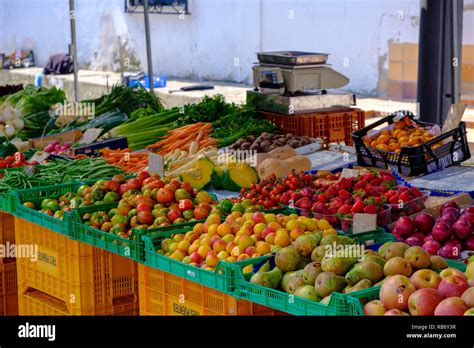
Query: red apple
(452, 271)
(424, 222)
(447, 218)
(441, 232)
(452, 204)
(395, 312)
(462, 229)
(468, 216)
(453, 286)
(405, 226)
(395, 292)
(468, 297)
(469, 209)
(423, 302)
(249, 250)
(469, 243)
(451, 306)
(374, 307)
(414, 241)
(450, 210)
(425, 278)
(428, 238)
(432, 247)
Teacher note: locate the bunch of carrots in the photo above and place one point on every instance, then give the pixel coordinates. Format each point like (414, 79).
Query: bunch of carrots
(181, 138)
(129, 161)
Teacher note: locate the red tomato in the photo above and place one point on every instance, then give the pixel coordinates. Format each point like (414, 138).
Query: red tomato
(9, 160)
(148, 181)
(142, 199)
(134, 222)
(204, 205)
(145, 217)
(134, 184)
(173, 215)
(185, 204)
(124, 208)
(143, 175)
(200, 213)
(142, 207)
(187, 186)
(19, 157)
(112, 186)
(174, 206)
(164, 195)
(176, 183)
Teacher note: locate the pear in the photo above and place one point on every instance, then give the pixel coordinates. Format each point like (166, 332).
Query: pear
(311, 271)
(326, 300)
(395, 249)
(308, 292)
(318, 253)
(306, 243)
(337, 265)
(329, 240)
(294, 284)
(289, 276)
(364, 270)
(383, 248)
(326, 283)
(438, 263)
(363, 284)
(374, 258)
(269, 279)
(287, 259)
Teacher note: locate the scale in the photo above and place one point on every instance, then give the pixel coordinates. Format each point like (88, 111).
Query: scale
(296, 82)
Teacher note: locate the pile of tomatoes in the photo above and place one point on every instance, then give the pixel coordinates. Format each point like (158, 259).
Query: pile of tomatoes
(17, 160)
(142, 202)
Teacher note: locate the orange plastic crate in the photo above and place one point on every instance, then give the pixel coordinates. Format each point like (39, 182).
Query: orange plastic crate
(8, 289)
(330, 126)
(35, 302)
(84, 278)
(162, 293)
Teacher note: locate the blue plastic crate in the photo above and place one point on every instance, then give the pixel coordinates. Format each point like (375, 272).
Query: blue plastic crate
(158, 82)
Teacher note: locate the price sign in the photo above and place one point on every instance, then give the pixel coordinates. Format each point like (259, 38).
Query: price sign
(90, 136)
(155, 164)
(364, 222)
(349, 173)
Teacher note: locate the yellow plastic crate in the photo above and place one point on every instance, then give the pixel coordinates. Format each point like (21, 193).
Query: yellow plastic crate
(162, 293)
(8, 289)
(38, 303)
(7, 228)
(85, 279)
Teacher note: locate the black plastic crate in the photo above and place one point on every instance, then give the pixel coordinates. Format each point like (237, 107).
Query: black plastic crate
(414, 160)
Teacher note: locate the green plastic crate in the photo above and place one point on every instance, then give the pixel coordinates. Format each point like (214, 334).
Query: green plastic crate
(220, 279)
(357, 299)
(36, 195)
(375, 237)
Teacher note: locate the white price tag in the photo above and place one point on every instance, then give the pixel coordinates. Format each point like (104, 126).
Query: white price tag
(90, 136)
(39, 156)
(155, 164)
(364, 222)
(349, 173)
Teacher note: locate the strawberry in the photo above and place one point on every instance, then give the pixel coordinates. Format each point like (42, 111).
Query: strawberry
(360, 185)
(345, 209)
(376, 181)
(402, 188)
(394, 199)
(345, 183)
(370, 209)
(405, 196)
(416, 193)
(323, 198)
(357, 207)
(344, 193)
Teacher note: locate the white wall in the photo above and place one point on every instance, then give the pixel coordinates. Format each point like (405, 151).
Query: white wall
(219, 39)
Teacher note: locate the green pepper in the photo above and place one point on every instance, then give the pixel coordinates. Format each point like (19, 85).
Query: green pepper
(225, 205)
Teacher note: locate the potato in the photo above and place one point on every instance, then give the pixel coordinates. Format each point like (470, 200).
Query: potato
(250, 138)
(294, 144)
(245, 146)
(289, 135)
(264, 145)
(254, 147)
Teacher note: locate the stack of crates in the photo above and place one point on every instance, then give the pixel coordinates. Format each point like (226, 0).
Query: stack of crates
(72, 278)
(8, 279)
(162, 293)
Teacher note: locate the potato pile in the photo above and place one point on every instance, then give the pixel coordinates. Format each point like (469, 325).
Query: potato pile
(267, 142)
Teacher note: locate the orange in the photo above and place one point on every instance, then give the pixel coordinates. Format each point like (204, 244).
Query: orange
(401, 134)
(385, 132)
(383, 147)
(396, 132)
(399, 125)
(383, 139)
(414, 140)
(403, 139)
(393, 146)
(373, 143)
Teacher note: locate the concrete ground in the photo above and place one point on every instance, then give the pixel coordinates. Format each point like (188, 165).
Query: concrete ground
(93, 84)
